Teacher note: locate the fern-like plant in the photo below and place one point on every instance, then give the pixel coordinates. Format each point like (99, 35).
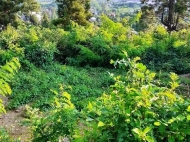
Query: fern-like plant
(6, 74)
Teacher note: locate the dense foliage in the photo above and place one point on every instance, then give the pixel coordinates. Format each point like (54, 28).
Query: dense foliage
(9, 10)
(171, 12)
(132, 105)
(75, 10)
(6, 75)
(137, 108)
(39, 49)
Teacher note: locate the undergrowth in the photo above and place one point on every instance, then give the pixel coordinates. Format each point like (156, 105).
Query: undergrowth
(33, 86)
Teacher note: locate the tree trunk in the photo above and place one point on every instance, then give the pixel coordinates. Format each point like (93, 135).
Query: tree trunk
(171, 15)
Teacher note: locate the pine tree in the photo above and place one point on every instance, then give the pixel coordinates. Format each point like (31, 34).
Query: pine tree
(73, 10)
(45, 20)
(29, 6)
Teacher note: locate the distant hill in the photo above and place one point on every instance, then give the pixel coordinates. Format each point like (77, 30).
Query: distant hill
(112, 1)
(114, 8)
(46, 2)
(127, 1)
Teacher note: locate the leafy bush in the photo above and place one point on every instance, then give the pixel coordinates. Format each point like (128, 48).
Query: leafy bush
(59, 122)
(9, 46)
(96, 46)
(136, 109)
(40, 53)
(6, 75)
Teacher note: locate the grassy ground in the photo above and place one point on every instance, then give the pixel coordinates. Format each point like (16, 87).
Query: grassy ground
(33, 86)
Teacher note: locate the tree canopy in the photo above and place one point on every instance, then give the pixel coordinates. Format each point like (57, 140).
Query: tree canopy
(73, 10)
(169, 11)
(9, 8)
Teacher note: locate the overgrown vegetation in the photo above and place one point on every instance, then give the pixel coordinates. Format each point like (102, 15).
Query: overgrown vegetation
(84, 83)
(135, 109)
(74, 92)
(6, 75)
(5, 137)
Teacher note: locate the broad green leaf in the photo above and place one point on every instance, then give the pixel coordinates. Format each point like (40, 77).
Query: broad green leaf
(162, 128)
(137, 131)
(180, 117)
(186, 131)
(100, 124)
(188, 109)
(90, 106)
(146, 130)
(149, 139)
(188, 117)
(171, 139)
(157, 123)
(67, 95)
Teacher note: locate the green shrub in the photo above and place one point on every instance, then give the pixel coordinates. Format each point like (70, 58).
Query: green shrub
(40, 53)
(136, 109)
(6, 75)
(67, 48)
(9, 46)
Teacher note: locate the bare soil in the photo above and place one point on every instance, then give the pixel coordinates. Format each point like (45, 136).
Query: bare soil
(186, 75)
(11, 121)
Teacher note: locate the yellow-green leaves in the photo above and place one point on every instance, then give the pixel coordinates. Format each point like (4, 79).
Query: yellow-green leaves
(5, 89)
(62, 99)
(90, 106)
(100, 124)
(6, 74)
(157, 123)
(179, 43)
(188, 109)
(143, 134)
(174, 84)
(188, 117)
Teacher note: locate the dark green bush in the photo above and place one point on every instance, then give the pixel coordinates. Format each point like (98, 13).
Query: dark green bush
(40, 53)
(9, 46)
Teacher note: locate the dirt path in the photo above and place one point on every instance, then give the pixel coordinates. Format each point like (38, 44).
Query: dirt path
(12, 122)
(185, 85)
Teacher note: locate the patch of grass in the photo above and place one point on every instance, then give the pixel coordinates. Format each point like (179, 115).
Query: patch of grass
(33, 86)
(5, 137)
